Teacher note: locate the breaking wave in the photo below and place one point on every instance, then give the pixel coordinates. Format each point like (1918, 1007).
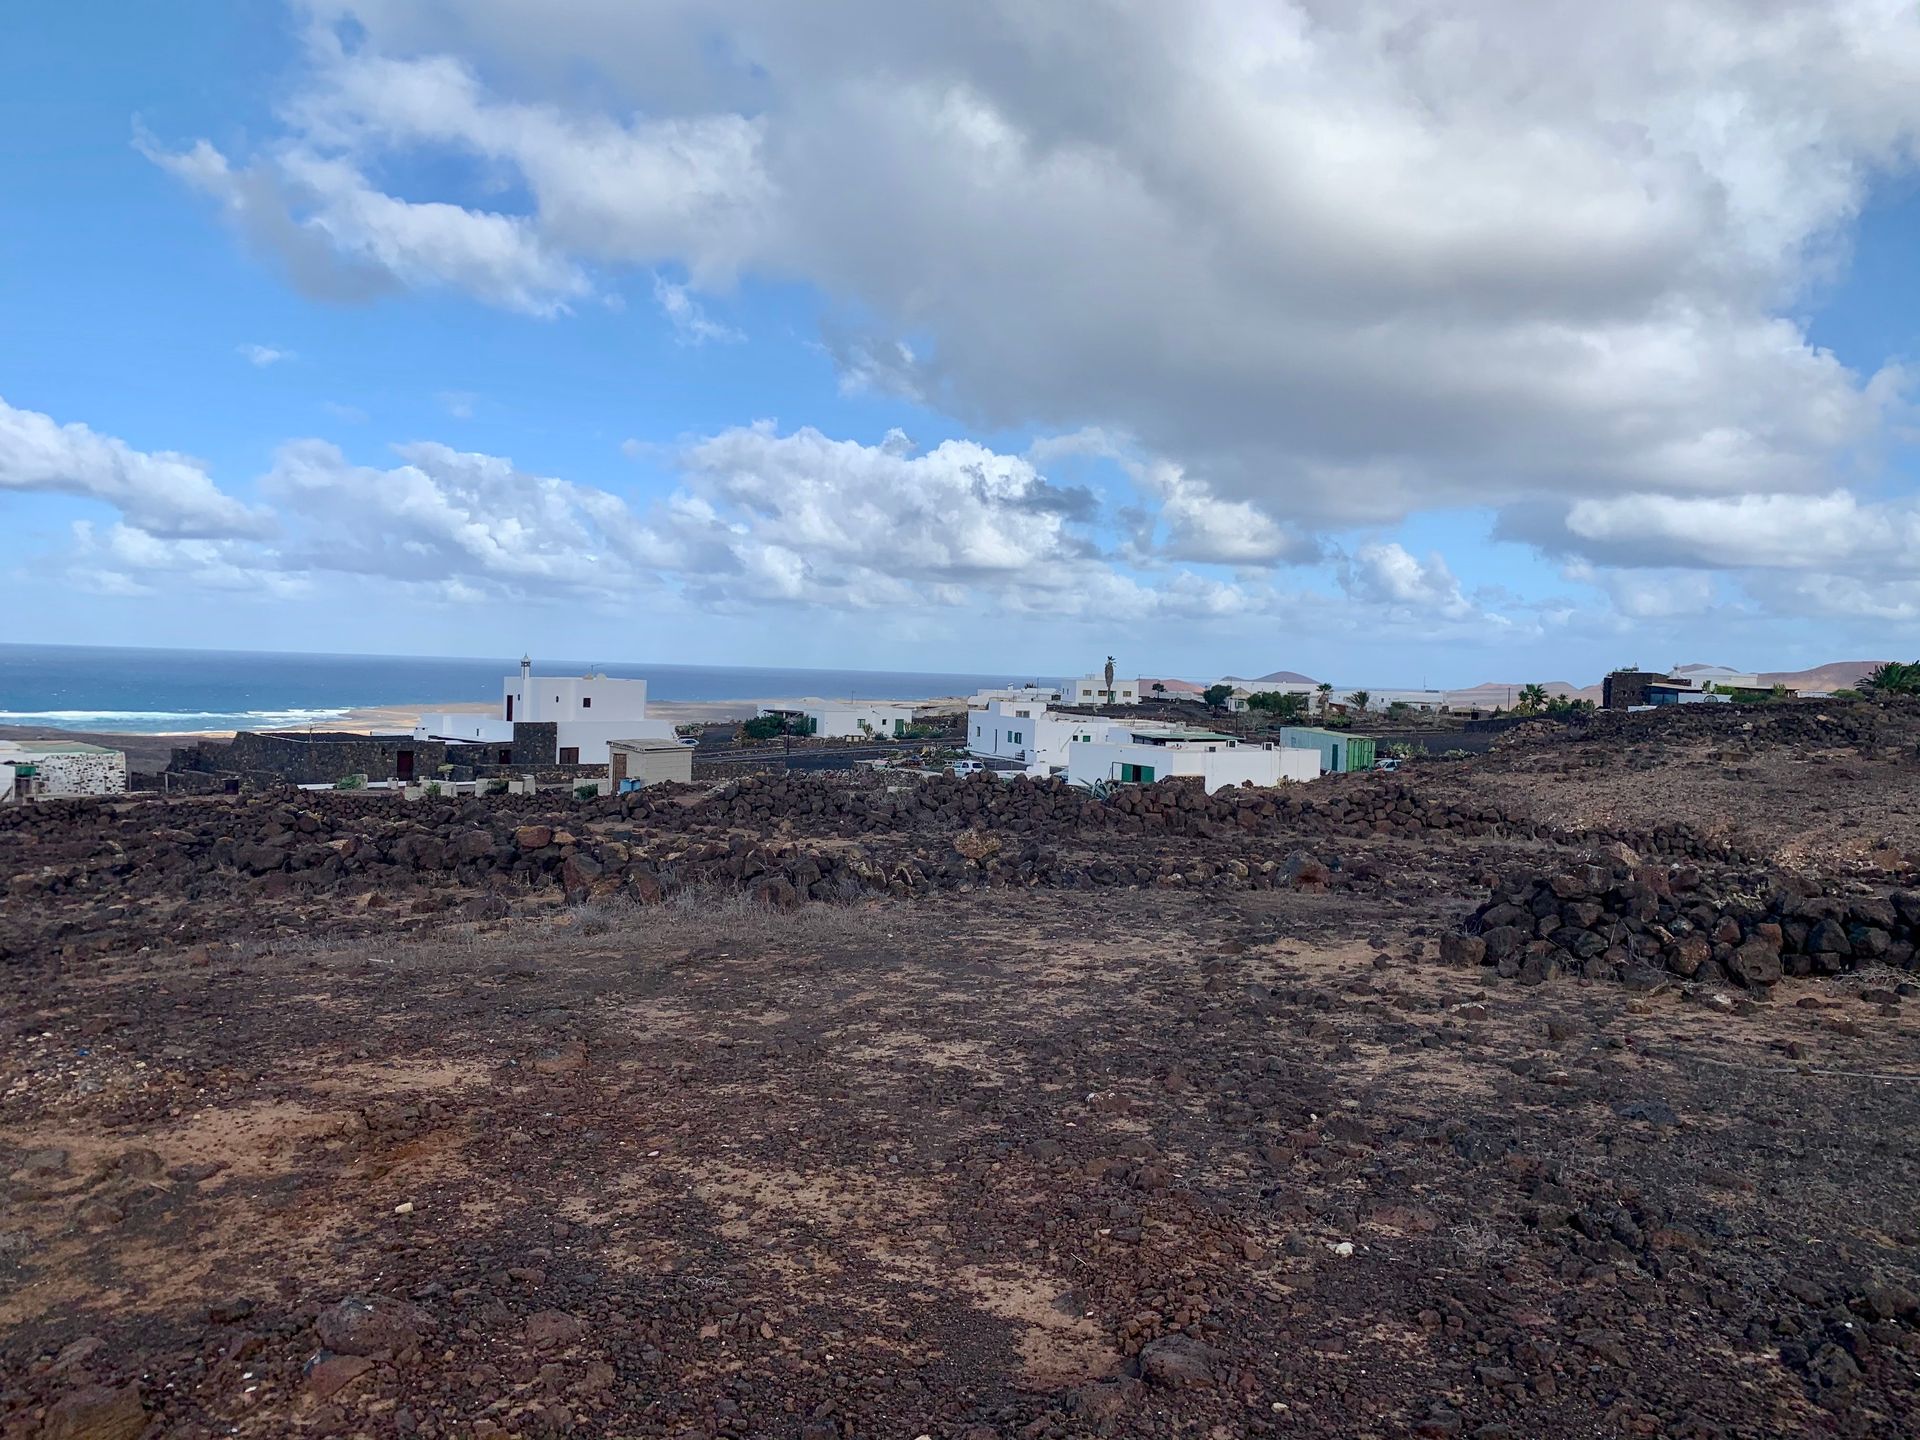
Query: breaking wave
(163, 721)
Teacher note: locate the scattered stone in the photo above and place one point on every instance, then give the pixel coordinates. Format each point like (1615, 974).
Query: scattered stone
(1178, 1362)
(96, 1412)
(376, 1326)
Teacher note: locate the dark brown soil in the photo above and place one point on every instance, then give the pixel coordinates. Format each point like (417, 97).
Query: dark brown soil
(986, 1162)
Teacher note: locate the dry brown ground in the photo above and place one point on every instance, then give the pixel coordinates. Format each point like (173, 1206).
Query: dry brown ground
(944, 1169)
(1822, 811)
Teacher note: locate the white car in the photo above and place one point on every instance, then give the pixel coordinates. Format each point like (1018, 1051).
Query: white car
(967, 767)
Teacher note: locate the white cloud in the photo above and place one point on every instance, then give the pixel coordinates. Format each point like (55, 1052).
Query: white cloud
(458, 403)
(341, 239)
(1334, 262)
(760, 517)
(1386, 574)
(126, 560)
(691, 326)
(164, 493)
(1772, 532)
(263, 355)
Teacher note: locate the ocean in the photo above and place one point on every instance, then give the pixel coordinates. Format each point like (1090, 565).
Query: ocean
(154, 692)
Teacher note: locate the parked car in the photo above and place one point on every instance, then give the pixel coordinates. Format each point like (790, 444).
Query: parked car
(1387, 764)
(967, 767)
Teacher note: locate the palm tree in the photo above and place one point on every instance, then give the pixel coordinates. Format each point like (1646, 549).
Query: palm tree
(1359, 700)
(1893, 678)
(1324, 693)
(1533, 699)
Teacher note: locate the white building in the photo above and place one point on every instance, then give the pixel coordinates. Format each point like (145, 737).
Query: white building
(848, 719)
(464, 727)
(1032, 735)
(1028, 693)
(1142, 756)
(1092, 690)
(50, 769)
(586, 712)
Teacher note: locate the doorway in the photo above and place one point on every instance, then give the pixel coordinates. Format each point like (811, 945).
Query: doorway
(403, 764)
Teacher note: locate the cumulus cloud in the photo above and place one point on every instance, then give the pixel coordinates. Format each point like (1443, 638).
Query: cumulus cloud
(264, 355)
(1335, 261)
(1386, 574)
(339, 238)
(758, 517)
(160, 493)
(125, 560)
(1772, 532)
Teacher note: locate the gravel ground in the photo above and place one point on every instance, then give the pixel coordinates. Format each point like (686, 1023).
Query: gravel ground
(994, 1164)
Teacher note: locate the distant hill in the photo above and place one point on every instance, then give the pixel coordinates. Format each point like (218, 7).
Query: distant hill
(1283, 677)
(1835, 675)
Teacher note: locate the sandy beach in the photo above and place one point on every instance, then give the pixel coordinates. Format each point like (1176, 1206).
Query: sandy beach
(403, 717)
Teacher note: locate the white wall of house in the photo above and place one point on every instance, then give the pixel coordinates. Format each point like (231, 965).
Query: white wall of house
(590, 737)
(1031, 734)
(1092, 690)
(463, 728)
(1218, 765)
(851, 719)
(530, 697)
(64, 770)
(1028, 694)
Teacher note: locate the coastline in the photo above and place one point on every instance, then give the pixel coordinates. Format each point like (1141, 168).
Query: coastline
(151, 750)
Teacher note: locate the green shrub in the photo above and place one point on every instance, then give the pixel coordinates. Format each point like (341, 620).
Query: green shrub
(350, 782)
(763, 727)
(585, 792)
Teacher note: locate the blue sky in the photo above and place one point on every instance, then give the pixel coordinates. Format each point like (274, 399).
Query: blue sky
(960, 339)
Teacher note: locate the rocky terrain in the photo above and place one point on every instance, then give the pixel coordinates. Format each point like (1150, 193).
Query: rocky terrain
(1568, 1091)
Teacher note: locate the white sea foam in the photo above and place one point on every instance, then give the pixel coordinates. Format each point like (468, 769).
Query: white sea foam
(181, 719)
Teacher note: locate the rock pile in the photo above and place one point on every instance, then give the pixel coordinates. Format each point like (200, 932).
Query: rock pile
(89, 878)
(1352, 807)
(1641, 924)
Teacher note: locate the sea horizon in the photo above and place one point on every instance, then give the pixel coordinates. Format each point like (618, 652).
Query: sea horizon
(133, 690)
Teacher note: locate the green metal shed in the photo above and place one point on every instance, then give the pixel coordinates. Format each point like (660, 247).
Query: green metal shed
(1338, 751)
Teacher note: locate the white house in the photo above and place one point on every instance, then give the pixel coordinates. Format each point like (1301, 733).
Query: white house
(586, 712)
(49, 769)
(1143, 756)
(1029, 693)
(1031, 734)
(848, 719)
(1092, 690)
(463, 727)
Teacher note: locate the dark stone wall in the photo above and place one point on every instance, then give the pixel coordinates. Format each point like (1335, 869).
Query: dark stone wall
(1628, 687)
(311, 759)
(536, 742)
